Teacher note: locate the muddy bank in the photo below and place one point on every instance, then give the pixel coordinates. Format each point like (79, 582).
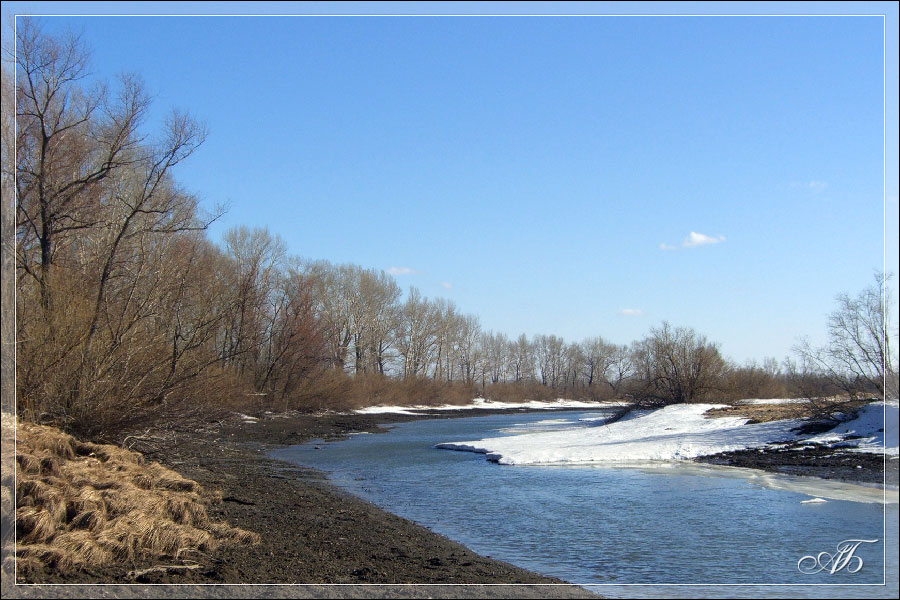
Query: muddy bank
(822, 462)
(312, 532)
(803, 457)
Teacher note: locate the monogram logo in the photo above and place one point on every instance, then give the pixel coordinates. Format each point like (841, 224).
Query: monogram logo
(845, 557)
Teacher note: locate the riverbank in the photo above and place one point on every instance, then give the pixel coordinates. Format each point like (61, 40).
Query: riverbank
(311, 532)
(824, 463)
(314, 533)
(830, 454)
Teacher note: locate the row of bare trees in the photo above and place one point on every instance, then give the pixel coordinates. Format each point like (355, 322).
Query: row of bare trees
(99, 220)
(370, 328)
(125, 309)
(122, 303)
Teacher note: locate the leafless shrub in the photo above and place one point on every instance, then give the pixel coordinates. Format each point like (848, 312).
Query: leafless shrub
(676, 365)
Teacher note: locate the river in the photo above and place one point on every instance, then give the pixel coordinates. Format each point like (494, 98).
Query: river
(648, 530)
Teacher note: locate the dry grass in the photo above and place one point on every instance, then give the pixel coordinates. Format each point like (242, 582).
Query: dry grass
(763, 413)
(335, 390)
(80, 505)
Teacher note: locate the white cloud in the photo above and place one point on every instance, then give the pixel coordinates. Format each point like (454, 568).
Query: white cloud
(815, 186)
(667, 247)
(631, 312)
(700, 239)
(447, 285)
(402, 271)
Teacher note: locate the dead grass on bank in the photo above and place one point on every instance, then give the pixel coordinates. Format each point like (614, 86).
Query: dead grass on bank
(81, 505)
(764, 413)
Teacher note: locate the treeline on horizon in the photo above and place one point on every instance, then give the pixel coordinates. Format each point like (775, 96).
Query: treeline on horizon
(126, 311)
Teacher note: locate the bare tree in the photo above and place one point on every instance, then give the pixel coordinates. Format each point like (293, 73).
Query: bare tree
(8, 252)
(522, 359)
(606, 365)
(677, 365)
(333, 308)
(69, 140)
(620, 369)
(468, 349)
(597, 356)
(573, 364)
(550, 359)
(495, 350)
(359, 309)
(447, 338)
(860, 356)
(257, 259)
(294, 348)
(416, 337)
(101, 223)
(380, 296)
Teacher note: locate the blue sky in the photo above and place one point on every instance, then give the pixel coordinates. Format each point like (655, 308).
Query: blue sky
(577, 175)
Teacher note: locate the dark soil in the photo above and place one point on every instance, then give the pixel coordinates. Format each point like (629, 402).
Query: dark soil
(813, 461)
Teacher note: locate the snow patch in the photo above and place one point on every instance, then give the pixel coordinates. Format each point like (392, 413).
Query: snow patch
(775, 401)
(396, 410)
(483, 403)
(676, 432)
(679, 432)
(874, 429)
(543, 425)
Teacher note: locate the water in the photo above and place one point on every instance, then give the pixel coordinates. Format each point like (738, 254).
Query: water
(616, 526)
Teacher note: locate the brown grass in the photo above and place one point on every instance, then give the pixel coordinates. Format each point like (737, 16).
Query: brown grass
(335, 390)
(80, 504)
(763, 413)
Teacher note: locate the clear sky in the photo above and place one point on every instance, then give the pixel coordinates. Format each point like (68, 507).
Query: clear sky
(575, 175)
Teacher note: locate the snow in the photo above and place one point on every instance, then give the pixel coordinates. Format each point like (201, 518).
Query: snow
(397, 410)
(675, 432)
(874, 430)
(487, 404)
(542, 425)
(593, 419)
(776, 401)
